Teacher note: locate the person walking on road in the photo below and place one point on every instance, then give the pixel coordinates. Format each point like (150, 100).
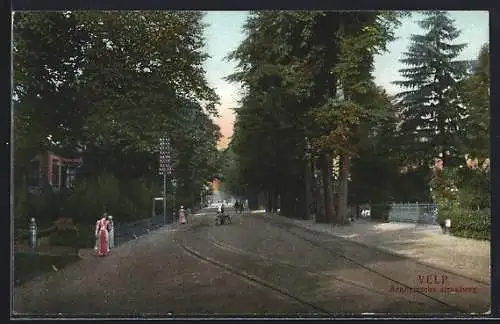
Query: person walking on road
(101, 232)
(182, 215)
(221, 209)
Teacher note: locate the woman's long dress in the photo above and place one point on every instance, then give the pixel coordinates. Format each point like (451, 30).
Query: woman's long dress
(103, 237)
(97, 245)
(182, 216)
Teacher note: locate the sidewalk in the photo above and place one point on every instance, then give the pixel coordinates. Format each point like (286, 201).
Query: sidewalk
(425, 243)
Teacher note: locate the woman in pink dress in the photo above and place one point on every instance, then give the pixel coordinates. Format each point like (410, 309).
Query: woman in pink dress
(103, 235)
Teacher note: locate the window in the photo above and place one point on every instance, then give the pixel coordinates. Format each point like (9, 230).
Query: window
(70, 177)
(56, 174)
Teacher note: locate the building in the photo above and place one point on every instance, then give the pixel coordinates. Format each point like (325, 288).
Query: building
(54, 171)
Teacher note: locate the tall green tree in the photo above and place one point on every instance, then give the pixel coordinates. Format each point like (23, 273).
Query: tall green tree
(430, 107)
(361, 36)
(291, 62)
(475, 94)
(107, 84)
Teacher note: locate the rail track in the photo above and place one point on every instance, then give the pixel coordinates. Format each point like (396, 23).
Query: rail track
(287, 228)
(249, 277)
(306, 269)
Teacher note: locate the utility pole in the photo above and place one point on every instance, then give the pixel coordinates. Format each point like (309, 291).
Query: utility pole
(165, 170)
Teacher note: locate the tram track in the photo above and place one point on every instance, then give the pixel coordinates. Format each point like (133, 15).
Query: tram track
(287, 227)
(292, 230)
(305, 269)
(310, 302)
(255, 280)
(316, 244)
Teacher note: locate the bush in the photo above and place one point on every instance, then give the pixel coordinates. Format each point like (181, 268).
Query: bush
(380, 212)
(474, 224)
(127, 200)
(21, 200)
(65, 237)
(65, 233)
(45, 207)
(463, 196)
(86, 236)
(92, 197)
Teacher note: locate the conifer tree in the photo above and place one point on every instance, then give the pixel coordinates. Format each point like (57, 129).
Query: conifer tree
(430, 109)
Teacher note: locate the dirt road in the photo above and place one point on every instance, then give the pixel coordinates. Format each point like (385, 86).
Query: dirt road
(252, 266)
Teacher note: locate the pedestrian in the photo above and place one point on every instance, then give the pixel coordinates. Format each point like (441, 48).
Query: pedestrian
(97, 245)
(111, 230)
(182, 215)
(236, 206)
(102, 234)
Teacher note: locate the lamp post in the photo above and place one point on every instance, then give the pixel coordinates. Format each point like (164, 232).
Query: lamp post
(165, 170)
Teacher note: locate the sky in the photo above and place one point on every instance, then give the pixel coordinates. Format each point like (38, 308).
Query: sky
(225, 32)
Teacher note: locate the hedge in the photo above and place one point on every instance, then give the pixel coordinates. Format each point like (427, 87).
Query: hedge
(380, 212)
(126, 200)
(474, 224)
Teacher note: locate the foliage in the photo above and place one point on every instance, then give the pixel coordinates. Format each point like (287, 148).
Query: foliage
(430, 108)
(45, 207)
(380, 212)
(28, 267)
(231, 167)
(65, 233)
(475, 94)
(468, 223)
(21, 198)
(464, 196)
(106, 86)
(126, 200)
(290, 66)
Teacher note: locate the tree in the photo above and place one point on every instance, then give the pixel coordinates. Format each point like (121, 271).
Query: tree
(375, 169)
(291, 65)
(107, 85)
(267, 132)
(361, 36)
(475, 94)
(430, 108)
(92, 79)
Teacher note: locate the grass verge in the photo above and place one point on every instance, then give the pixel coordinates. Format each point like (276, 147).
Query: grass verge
(28, 267)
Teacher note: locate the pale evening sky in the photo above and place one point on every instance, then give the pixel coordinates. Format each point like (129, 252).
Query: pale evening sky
(225, 32)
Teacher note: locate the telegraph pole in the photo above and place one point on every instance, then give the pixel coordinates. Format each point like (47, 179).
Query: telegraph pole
(165, 170)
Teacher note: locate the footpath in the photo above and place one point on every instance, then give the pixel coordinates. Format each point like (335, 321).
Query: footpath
(425, 243)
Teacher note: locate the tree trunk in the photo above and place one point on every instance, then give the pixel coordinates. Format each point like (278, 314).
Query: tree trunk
(328, 201)
(301, 206)
(253, 201)
(320, 196)
(287, 204)
(267, 196)
(308, 189)
(274, 200)
(343, 189)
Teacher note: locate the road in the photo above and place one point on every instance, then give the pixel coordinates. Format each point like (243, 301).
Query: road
(252, 266)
